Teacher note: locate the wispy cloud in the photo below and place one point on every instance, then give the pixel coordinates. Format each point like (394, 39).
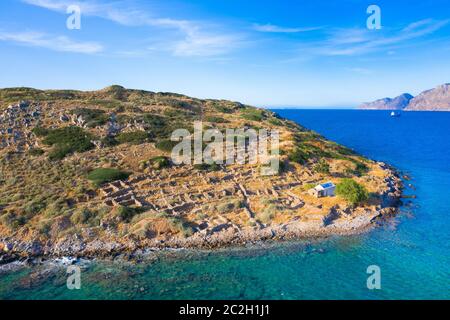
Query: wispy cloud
(362, 71)
(190, 38)
(278, 29)
(349, 42)
(57, 43)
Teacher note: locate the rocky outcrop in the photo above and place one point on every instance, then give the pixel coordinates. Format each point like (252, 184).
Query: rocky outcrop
(437, 99)
(397, 103)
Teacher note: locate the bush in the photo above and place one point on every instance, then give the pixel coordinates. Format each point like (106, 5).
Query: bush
(207, 167)
(352, 191)
(133, 137)
(40, 132)
(222, 109)
(104, 175)
(160, 162)
(68, 140)
(302, 153)
(213, 119)
(166, 145)
(181, 226)
(93, 117)
(275, 121)
(154, 120)
(322, 167)
(35, 152)
(81, 216)
(59, 152)
(109, 141)
(360, 169)
(34, 207)
(13, 221)
(253, 114)
(126, 214)
(44, 227)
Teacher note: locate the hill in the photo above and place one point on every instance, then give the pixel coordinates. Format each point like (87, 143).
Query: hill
(437, 99)
(397, 103)
(89, 173)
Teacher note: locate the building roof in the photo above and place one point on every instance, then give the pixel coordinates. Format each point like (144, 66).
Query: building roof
(327, 185)
(324, 186)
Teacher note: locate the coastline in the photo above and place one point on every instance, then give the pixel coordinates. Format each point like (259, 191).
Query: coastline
(345, 223)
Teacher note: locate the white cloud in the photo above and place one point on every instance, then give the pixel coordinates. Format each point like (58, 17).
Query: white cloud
(196, 44)
(57, 43)
(277, 29)
(190, 38)
(362, 71)
(349, 42)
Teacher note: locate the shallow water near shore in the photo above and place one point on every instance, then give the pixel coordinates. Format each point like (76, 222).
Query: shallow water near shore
(413, 250)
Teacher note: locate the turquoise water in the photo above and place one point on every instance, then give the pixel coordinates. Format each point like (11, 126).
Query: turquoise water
(413, 251)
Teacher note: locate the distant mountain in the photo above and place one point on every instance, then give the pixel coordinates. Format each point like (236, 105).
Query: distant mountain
(437, 99)
(397, 103)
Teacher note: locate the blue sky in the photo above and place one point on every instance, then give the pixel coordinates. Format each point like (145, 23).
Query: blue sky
(265, 53)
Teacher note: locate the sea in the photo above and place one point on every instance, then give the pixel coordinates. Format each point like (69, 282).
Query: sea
(410, 253)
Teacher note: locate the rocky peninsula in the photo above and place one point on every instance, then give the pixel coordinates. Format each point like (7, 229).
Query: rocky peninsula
(89, 174)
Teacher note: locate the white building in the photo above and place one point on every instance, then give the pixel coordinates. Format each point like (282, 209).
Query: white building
(323, 190)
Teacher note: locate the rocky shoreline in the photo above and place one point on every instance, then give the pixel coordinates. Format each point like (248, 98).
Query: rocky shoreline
(337, 223)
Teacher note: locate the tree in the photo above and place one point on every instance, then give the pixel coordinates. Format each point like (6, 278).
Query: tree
(352, 191)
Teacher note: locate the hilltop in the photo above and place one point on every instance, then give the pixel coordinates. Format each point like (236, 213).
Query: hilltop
(89, 173)
(437, 99)
(397, 103)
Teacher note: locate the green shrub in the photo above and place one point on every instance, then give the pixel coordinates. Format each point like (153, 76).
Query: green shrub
(109, 141)
(44, 227)
(59, 152)
(360, 169)
(213, 119)
(181, 225)
(36, 152)
(126, 214)
(160, 162)
(253, 114)
(68, 140)
(166, 145)
(40, 132)
(159, 126)
(275, 121)
(207, 167)
(107, 103)
(34, 207)
(133, 137)
(81, 216)
(92, 117)
(13, 221)
(104, 175)
(222, 109)
(304, 152)
(352, 191)
(154, 120)
(322, 167)
(307, 186)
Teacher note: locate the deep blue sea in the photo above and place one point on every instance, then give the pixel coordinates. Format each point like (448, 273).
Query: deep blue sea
(413, 253)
